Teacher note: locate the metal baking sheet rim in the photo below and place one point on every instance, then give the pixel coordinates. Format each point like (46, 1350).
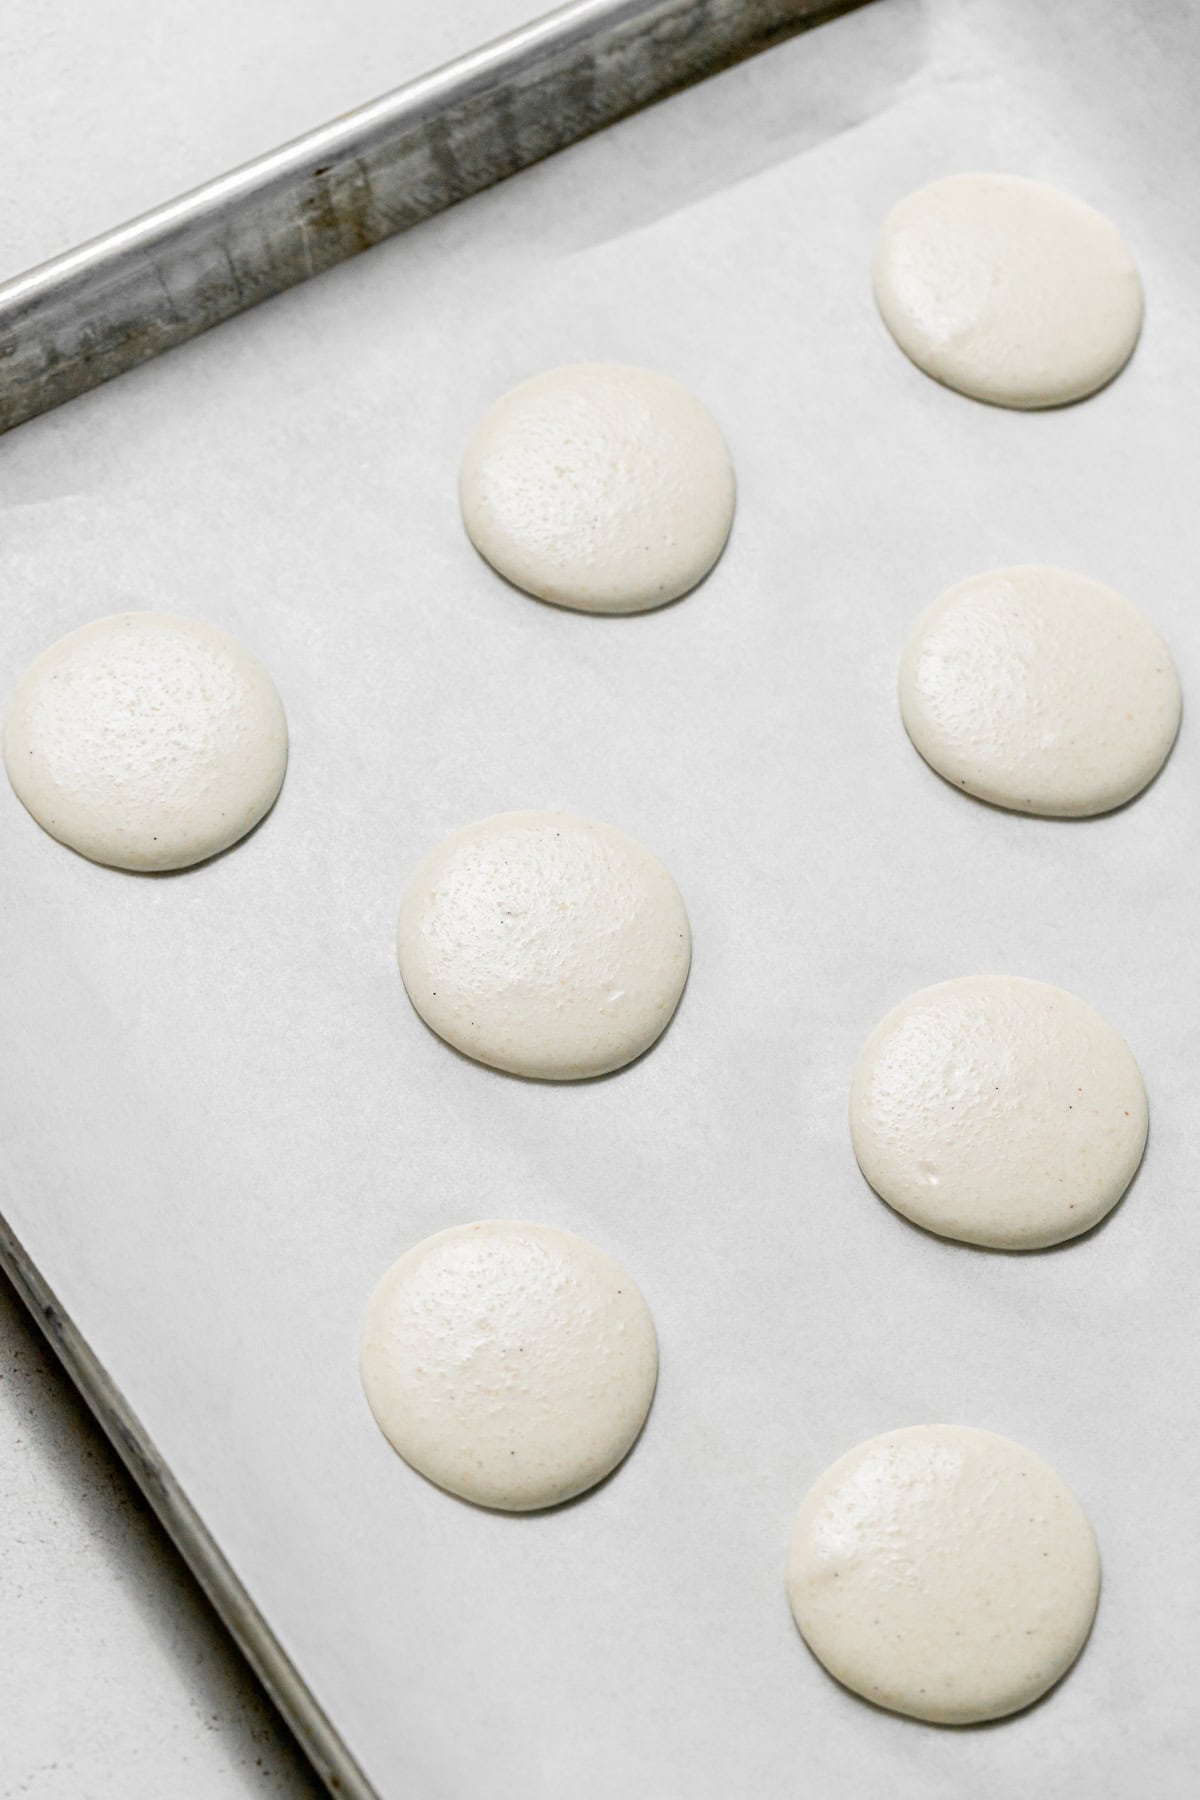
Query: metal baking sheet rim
(318, 1738)
(159, 280)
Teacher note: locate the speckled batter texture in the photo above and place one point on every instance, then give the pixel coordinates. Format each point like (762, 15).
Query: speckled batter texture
(146, 741)
(943, 1572)
(512, 1364)
(999, 1111)
(544, 944)
(600, 487)
(1008, 290)
(1040, 690)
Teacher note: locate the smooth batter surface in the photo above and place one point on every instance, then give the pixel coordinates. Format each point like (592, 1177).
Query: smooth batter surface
(146, 741)
(943, 1572)
(599, 487)
(544, 944)
(1040, 690)
(1008, 290)
(998, 1111)
(513, 1364)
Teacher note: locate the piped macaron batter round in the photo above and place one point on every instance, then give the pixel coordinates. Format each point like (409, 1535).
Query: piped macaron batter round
(545, 944)
(998, 1111)
(600, 487)
(1040, 690)
(146, 741)
(1008, 290)
(513, 1364)
(943, 1572)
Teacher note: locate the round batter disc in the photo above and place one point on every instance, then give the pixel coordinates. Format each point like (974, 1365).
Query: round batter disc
(998, 1111)
(943, 1572)
(146, 741)
(600, 487)
(512, 1364)
(1008, 290)
(1040, 690)
(544, 944)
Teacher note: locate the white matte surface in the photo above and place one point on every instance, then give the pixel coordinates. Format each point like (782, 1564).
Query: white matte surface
(1007, 289)
(600, 487)
(944, 1572)
(510, 1362)
(292, 1124)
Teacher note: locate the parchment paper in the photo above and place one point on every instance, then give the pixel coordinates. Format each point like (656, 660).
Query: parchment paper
(222, 1118)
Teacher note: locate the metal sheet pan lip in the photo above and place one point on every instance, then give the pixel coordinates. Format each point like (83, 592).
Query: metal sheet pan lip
(321, 1742)
(160, 279)
(414, 102)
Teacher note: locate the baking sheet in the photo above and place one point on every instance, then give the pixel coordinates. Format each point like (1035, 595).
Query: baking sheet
(222, 1119)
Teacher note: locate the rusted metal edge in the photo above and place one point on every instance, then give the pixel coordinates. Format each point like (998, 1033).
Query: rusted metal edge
(311, 1726)
(96, 311)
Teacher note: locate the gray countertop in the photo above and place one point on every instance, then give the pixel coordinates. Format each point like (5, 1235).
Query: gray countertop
(121, 1683)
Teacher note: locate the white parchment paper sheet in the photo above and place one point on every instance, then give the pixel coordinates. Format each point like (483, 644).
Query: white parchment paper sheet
(222, 1119)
